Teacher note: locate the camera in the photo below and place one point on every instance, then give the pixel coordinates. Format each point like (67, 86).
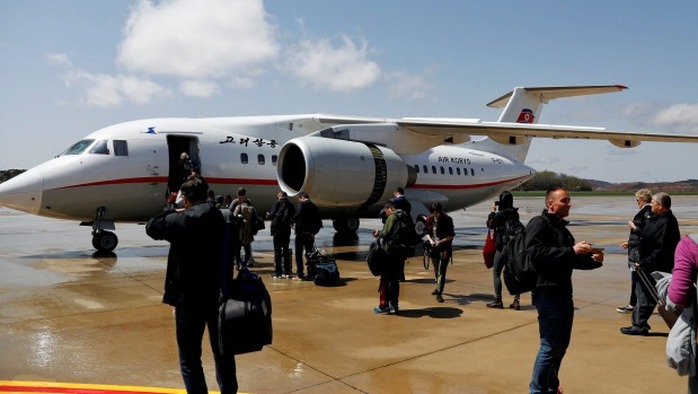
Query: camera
(496, 203)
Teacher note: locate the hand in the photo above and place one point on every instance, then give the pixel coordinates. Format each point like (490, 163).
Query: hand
(624, 245)
(598, 257)
(582, 247)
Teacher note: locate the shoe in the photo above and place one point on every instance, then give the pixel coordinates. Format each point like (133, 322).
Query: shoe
(381, 311)
(625, 309)
(496, 304)
(435, 292)
(298, 277)
(276, 276)
(515, 305)
(393, 310)
(632, 330)
(286, 276)
(439, 298)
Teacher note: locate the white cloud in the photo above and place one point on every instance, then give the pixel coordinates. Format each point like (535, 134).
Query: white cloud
(345, 68)
(104, 91)
(411, 87)
(197, 39)
(681, 116)
(59, 59)
(199, 88)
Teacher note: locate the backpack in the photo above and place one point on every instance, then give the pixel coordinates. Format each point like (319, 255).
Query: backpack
(402, 234)
(520, 275)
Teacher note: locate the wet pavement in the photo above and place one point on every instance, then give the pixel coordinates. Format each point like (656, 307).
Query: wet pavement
(69, 316)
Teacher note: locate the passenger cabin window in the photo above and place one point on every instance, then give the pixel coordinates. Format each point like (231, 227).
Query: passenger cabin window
(442, 171)
(425, 168)
(243, 158)
(450, 170)
(273, 159)
(78, 147)
(472, 171)
(120, 147)
(416, 168)
(433, 169)
(458, 170)
(465, 171)
(100, 148)
(260, 159)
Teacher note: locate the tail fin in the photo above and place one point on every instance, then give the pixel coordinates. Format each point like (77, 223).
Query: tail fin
(524, 105)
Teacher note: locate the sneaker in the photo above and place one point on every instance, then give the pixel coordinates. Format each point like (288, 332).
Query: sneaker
(496, 304)
(439, 298)
(435, 292)
(275, 276)
(286, 276)
(632, 330)
(515, 305)
(298, 277)
(625, 309)
(394, 309)
(381, 311)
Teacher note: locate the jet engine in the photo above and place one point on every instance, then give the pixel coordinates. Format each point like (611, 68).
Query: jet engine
(340, 173)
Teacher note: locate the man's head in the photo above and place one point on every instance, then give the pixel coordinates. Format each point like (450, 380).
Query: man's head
(184, 156)
(506, 200)
(558, 201)
(388, 208)
(661, 202)
(194, 190)
(281, 195)
(241, 191)
(436, 209)
(399, 192)
(303, 196)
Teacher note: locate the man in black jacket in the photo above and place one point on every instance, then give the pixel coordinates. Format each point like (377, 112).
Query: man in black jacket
(281, 216)
(555, 254)
(307, 223)
(193, 281)
(657, 245)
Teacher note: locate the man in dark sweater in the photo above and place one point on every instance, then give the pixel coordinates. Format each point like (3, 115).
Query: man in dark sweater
(555, 254)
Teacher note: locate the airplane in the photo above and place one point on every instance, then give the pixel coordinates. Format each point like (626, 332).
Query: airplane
(349, 165)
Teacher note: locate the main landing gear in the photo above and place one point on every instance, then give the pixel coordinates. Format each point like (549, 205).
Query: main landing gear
(346, 225)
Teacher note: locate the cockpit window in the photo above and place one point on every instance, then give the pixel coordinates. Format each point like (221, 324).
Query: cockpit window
(100, 148)
(78, 147)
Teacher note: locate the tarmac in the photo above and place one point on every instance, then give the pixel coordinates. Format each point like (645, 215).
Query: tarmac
(71, 321)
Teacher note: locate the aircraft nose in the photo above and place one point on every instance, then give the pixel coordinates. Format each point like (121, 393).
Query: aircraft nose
(23, 192)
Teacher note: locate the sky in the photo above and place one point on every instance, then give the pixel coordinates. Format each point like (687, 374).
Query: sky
(71, 67)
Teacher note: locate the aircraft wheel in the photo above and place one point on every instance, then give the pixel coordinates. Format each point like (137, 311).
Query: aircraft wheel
(349, 225)
(420, 225)
(105, 241)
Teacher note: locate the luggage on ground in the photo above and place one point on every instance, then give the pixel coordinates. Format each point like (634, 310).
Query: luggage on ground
(244, 321)
(322, 270)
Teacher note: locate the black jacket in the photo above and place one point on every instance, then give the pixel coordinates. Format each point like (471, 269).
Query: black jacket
(497, 222)
(550, 247)
(195, 260)
(658, 243)
(281, 216)
(307, 218)
(640, 220)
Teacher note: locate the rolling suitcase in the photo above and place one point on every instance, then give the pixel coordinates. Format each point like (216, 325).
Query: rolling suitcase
(669, 317)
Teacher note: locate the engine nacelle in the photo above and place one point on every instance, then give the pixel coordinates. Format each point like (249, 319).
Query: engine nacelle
(340, 173)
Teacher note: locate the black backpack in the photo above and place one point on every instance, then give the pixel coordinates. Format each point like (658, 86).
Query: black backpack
(402, 234)
(520, 275)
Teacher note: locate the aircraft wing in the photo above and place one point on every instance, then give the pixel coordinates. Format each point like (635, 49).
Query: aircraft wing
(502, 131)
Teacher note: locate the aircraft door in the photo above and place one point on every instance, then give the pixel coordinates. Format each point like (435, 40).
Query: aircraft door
(176, 146)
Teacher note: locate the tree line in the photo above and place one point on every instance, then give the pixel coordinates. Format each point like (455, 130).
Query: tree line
(545, 179)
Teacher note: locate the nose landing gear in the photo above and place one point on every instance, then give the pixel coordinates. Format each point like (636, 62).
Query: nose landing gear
(102, 240)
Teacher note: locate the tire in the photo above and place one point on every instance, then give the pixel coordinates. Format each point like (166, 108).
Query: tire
(105, 241)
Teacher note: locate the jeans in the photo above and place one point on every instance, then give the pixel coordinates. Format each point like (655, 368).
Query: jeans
(497, 269)
(190, 323)
(282, 254)
(303, 241)
(555, 316)
(440, 264)
(645, 300)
